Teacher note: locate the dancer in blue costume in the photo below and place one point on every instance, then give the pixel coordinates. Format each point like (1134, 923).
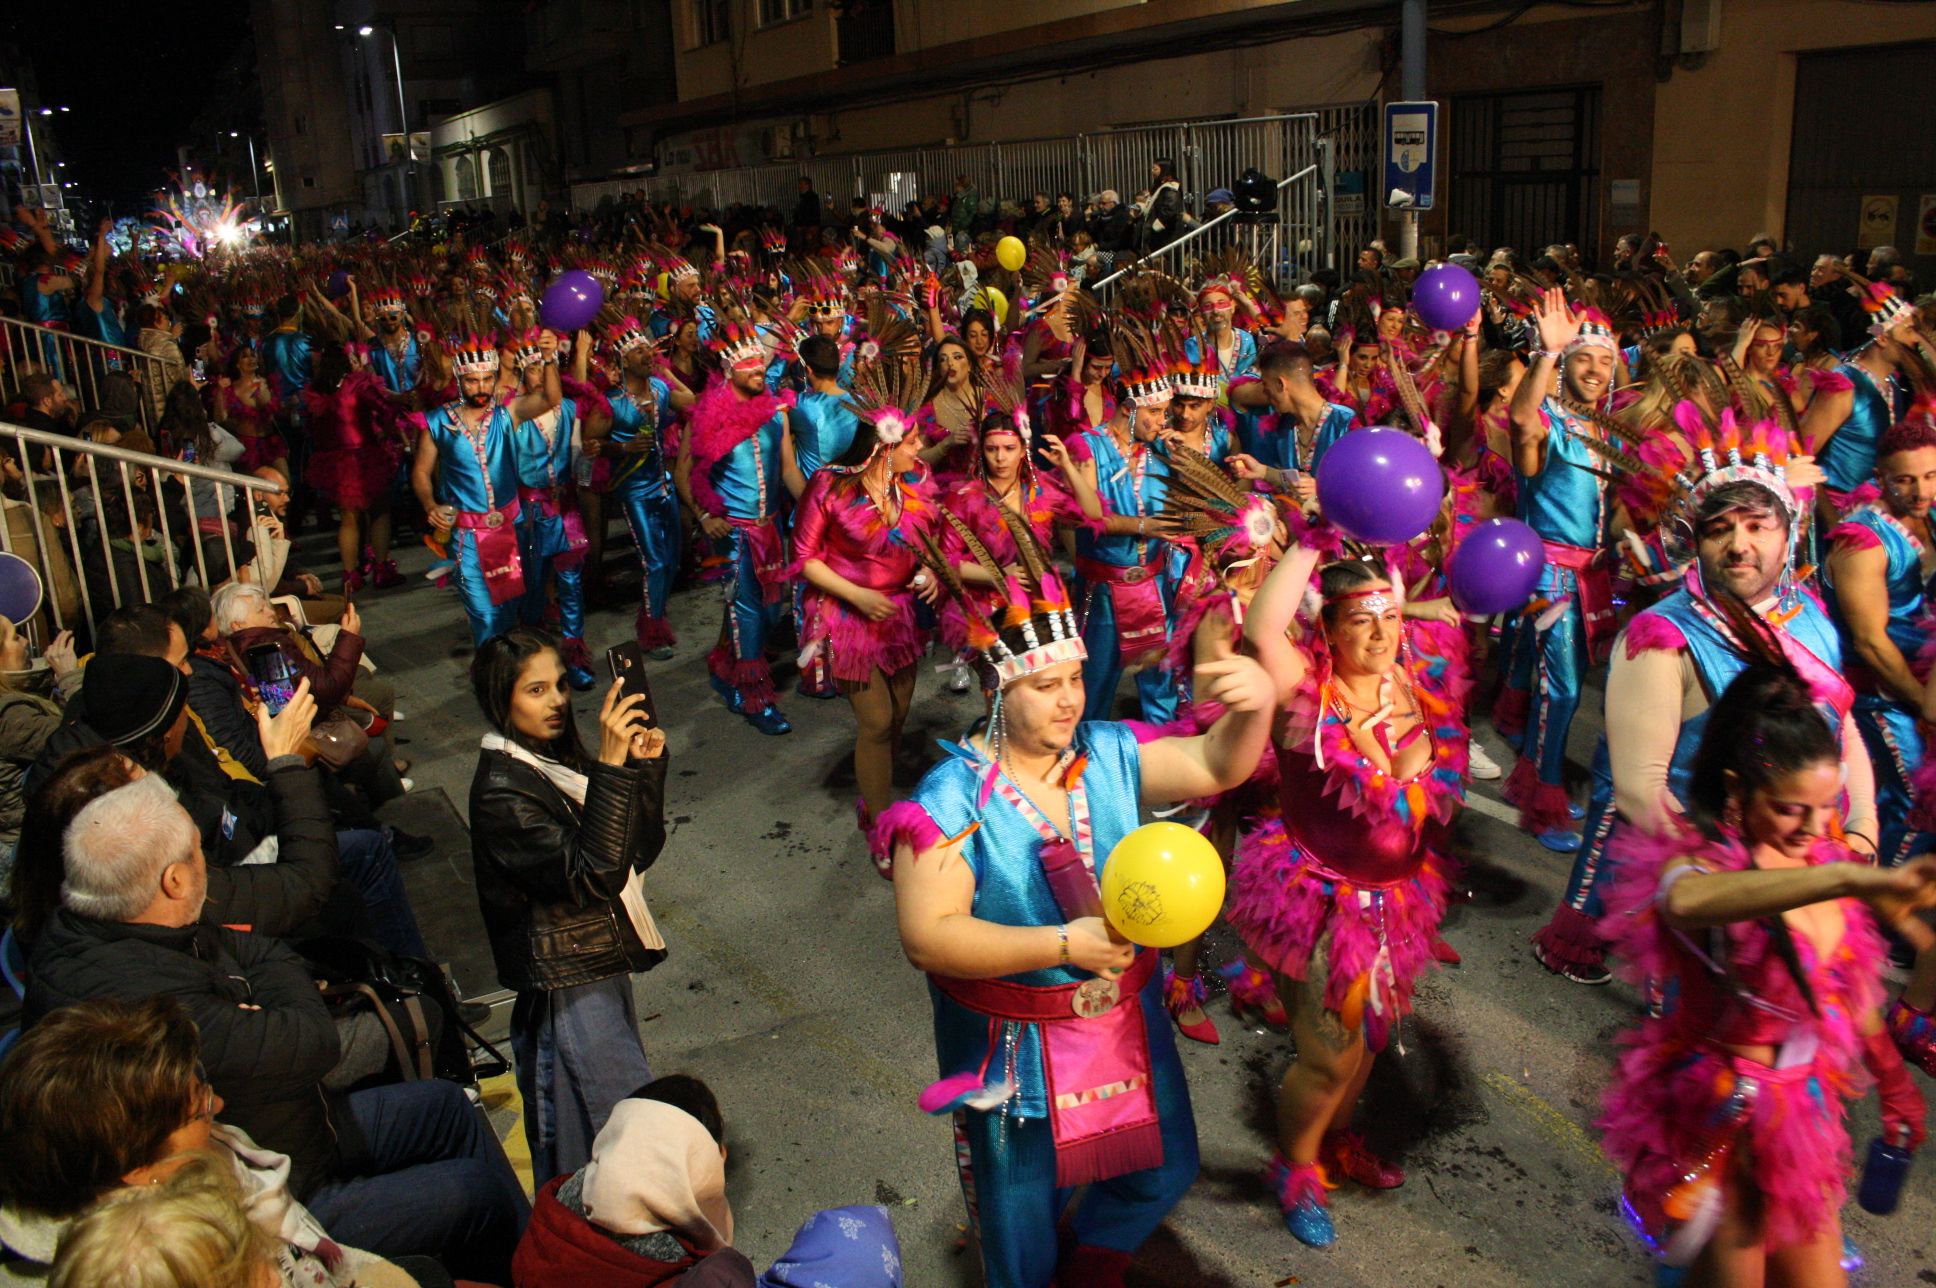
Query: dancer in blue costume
(1120, 479)
(729, 472)
(1563, 496)
(1880, 561)
(821, 426)
(466, 479)
(1674, 659)
(644, 405)
(551, 536)
(1284, 424)
(394, 357)
(684, 291)
(995, 864)
(1843, 427)
(1881, 558)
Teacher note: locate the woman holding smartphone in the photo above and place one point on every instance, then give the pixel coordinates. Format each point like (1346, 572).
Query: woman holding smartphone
(559, 840)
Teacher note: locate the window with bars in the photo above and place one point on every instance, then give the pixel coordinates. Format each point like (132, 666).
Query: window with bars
(712, 22)
(773, 12)
(1526, 168)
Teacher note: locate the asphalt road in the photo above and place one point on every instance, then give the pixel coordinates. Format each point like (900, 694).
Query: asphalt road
(786, 990)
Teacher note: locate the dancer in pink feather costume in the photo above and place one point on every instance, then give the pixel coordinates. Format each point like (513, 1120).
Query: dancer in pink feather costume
(1754, 922)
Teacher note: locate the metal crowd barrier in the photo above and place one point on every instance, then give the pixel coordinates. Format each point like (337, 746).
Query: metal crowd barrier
(71, 492)
(1207, 154)
(80, 363)
(1266, 249)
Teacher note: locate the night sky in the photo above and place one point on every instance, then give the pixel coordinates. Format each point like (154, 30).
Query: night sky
(135, 75)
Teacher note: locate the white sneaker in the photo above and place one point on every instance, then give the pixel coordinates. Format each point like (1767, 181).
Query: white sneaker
(962, 680)
(396, 714)
(409, 785)
(1481, 765)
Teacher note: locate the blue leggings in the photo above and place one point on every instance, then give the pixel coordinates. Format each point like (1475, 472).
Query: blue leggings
(1102, 670)
(750, 617)
(654, 520)
(1586, 888)
(1553, 664)
(541, 539)
(487, 619)
(1012, 1187)
(1895, 749)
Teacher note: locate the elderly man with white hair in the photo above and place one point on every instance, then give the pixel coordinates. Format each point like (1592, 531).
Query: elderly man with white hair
(399, 1170)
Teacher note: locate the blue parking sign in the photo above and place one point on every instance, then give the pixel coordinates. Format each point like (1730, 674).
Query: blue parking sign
(1411, 149)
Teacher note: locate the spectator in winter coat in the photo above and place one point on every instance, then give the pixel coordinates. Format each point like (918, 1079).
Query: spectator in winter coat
(650, 1207)
(428, 1179)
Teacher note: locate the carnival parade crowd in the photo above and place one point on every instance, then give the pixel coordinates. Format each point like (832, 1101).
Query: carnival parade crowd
(887, 441)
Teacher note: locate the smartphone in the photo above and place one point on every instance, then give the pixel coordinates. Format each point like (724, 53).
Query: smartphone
(198, 371)
(274, 675)
(628, 668)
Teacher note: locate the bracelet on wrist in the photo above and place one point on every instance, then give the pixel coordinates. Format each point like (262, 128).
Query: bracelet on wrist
(1062, 945)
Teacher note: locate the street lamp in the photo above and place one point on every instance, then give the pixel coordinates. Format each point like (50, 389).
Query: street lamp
(396, 57)
(255, 171)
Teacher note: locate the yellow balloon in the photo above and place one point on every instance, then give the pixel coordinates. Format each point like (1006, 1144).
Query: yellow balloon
(1010, 253)
(997, 304)
(1162, 885)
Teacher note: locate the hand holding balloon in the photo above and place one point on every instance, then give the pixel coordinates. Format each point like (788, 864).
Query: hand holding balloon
(1162, 885)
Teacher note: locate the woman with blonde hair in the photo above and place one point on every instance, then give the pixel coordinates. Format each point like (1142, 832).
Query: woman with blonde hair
(189, 1231)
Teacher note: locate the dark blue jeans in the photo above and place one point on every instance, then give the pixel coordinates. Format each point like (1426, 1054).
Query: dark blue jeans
(440, 1184)
(371, 866)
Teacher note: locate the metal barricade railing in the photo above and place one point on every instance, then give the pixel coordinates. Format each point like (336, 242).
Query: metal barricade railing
(80, 363)
(1207, 154)
(62, 516)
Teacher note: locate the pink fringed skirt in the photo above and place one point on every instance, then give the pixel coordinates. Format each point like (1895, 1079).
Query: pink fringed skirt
(353, 478)
(1658, 1123)
(856, 647)
(1365, 947)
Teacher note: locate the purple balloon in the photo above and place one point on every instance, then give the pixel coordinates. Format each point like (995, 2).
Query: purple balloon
(1446, 297)
(1380, 485)
(1496, 567)
(19, 589)
(339, 284)
(572, 301)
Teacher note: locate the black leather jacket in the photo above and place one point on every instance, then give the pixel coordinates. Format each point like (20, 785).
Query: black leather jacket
(549, 873)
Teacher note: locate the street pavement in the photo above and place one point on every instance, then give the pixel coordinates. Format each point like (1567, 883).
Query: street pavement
(786, 990)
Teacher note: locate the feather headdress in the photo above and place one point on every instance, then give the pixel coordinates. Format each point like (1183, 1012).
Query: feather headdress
(1036, 627)
(473, 355)
(1141, 359)
(1231, 523)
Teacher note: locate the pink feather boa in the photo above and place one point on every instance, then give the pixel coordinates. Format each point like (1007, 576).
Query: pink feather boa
(721, 421)
(1670, 1075)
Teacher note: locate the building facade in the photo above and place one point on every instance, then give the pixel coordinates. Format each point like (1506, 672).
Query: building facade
(1707, 120)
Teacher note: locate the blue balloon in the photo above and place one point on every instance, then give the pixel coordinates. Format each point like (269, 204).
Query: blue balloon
(1445, 297)
(1496, 567)
(20, 590)
(1380, 486)
(572, 301)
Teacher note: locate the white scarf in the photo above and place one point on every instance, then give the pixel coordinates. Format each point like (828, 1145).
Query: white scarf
(573, 784)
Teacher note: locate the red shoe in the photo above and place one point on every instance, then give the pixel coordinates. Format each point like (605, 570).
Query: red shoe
(1915, 1035)
(1084, 1266)
(1344, 1153)
(1180, 995)
(384, 574)
(352, 582)
(1445, 952)
(1254, 993)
